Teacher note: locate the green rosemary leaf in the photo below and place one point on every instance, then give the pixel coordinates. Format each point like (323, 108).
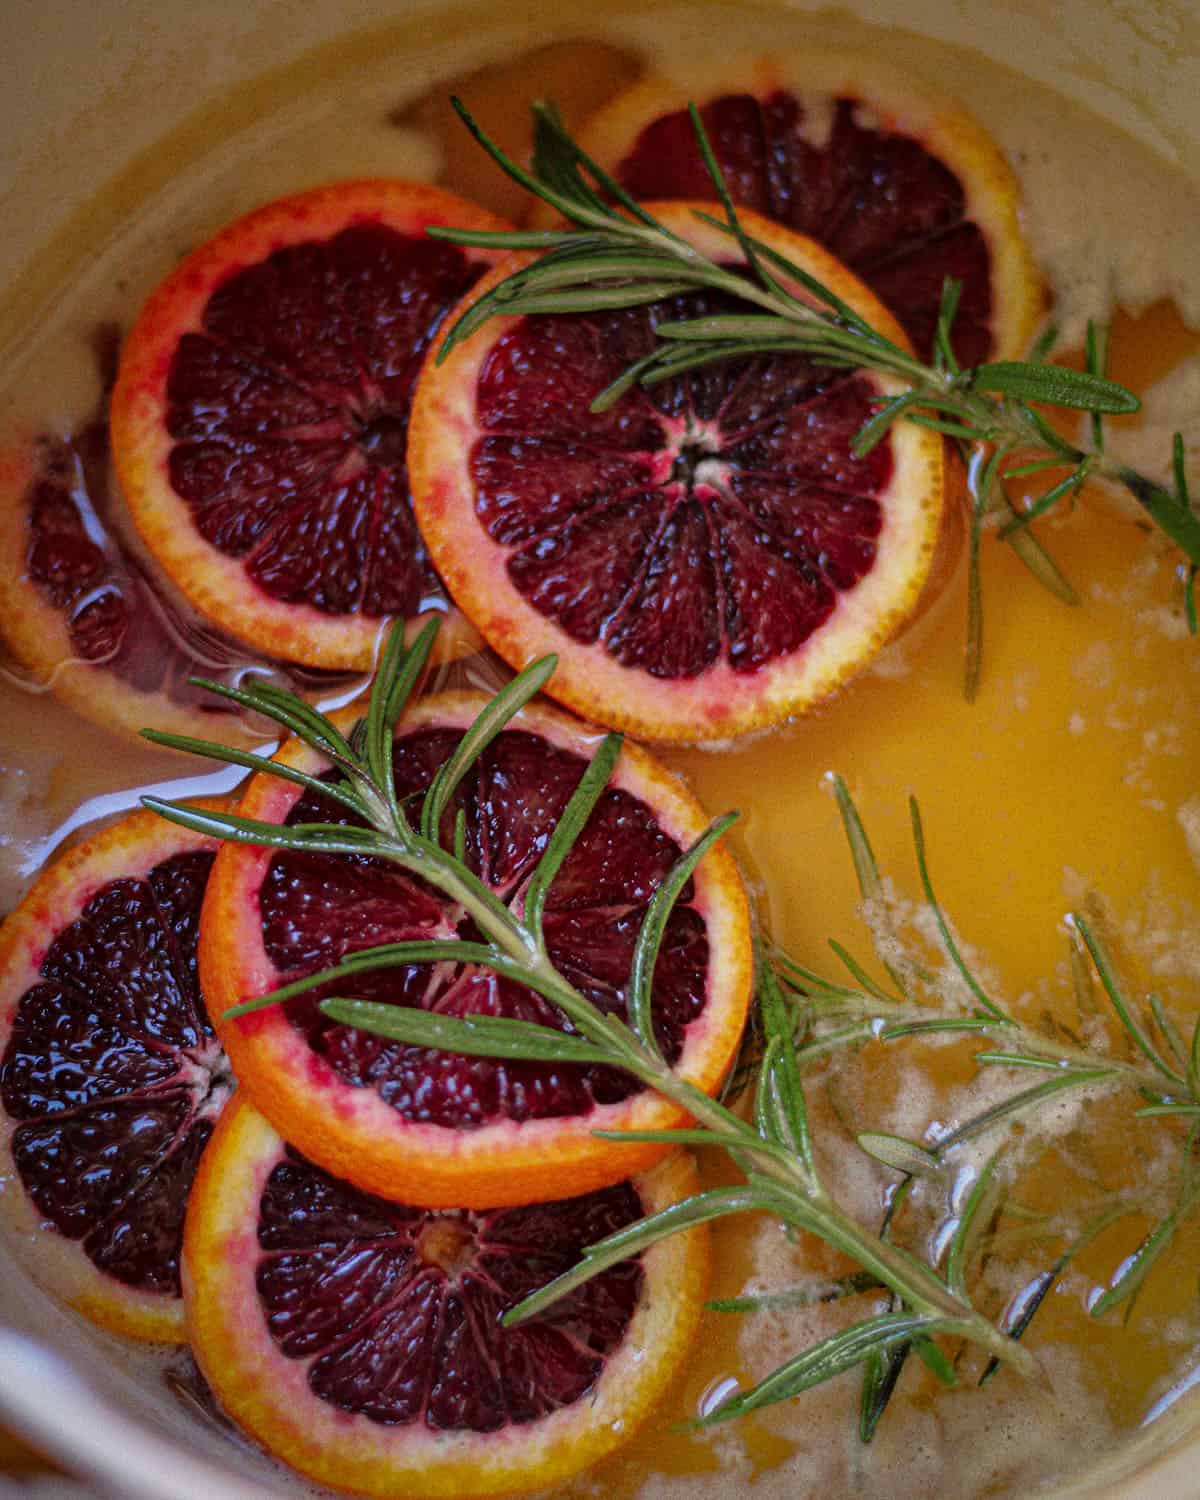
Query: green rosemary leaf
(943, 927)
(880, 1376)
(460, 835)
(830, 1041)
(780, 1086)
(283, 705)
(947, 428)
(865, 868)
(1179, 470)
(745, 242)
(876, 428)
(824, 1360)
(1179, 522)
(516, 239)
(976, 1213)
(701, 1208)
(1193, 1064)
(1046, 341)
(1018, 1060)
(1060, 491)
(947, 312)
(227, 754)
(1024, 1307)
(1132, 1273)
(852, 1285)
(391, 955)
(822, 293)
(292, 713)
(935, 1359)
(733, 1142)
(1096, 351)
(550, 133)
(654, 925)
(321, 838)
(395, 678)
(809, 983)
(1022, 1103)
(1038, 466)
(676, 362)
(745, 327)
(1054, 385)
(1167, 1029)
(624, 382)
(898, 1152)
(1152, 1111)
(1189, 601)
(948, 1024)
(973, 651)
(1105, 969)
(595, 298)
(1035, 557)
(518, 173)
(859, 973)
(570, 825)
(408, 672)
(476, 1036)
(491, 720)
(1081, 975)
(577, 270)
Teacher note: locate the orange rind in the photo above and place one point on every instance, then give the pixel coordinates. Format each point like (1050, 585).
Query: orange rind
(476, 1135)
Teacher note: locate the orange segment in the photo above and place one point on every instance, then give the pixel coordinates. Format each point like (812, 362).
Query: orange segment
(80, 616)
(707, 557)
(260, 414)
(333, 1327)
(896, 179)
(435, 1128)
(111, 1077)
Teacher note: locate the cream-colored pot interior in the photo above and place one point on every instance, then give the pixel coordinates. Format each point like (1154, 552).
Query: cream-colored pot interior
(88, 90)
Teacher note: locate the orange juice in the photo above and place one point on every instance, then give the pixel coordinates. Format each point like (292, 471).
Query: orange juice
(1069, 784)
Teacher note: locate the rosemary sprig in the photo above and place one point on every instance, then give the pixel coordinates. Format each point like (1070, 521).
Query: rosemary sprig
(1161, 1076)
(773, 1150)
(616, 255)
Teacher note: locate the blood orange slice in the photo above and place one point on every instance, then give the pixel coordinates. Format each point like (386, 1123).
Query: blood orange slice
(707, 556)
(79, 610)
(111, 1076)
(261, 411)
(360, 1341)
(437, 1128)
(899, 181)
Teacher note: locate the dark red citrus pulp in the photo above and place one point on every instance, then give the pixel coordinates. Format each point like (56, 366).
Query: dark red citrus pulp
(399, 1308)
(315, 910)
(713, 517)
(289, 414)
(882, 203)
(114, 1074)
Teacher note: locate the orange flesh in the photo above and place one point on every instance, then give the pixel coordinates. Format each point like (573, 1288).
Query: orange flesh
(1069, 774)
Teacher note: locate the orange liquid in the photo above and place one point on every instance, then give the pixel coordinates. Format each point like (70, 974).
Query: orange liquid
(1071, 779)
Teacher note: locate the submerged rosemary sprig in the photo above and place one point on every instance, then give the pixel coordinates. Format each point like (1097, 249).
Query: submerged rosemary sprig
(773, 1150)
(1160, 1074)
(617, 255)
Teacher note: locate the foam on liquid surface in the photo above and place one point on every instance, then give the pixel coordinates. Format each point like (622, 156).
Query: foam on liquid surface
(1073, 774)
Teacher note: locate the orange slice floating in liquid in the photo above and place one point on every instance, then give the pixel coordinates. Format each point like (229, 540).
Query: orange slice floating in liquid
(895, 178)
(708, 556)
(437, 1128)
(359, 1339)
(111, 1077)
(261, 411)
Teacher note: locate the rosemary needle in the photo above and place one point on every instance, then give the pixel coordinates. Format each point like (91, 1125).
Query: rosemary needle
(773, 1150)
(616, 254)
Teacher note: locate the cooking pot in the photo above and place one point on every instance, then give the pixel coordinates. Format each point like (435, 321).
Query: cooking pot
(88, 90)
